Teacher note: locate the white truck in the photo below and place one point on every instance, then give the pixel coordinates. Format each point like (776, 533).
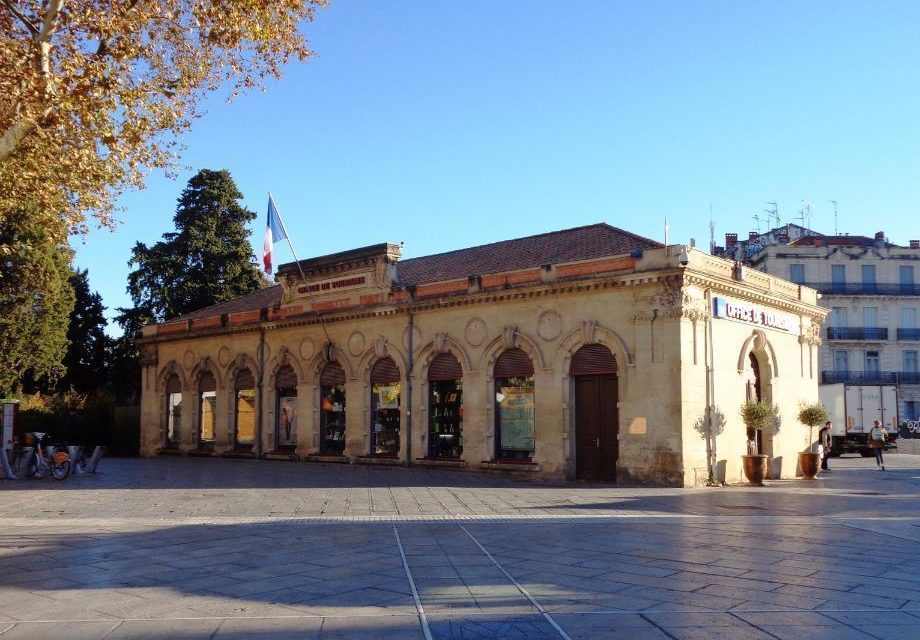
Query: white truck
(853, 408)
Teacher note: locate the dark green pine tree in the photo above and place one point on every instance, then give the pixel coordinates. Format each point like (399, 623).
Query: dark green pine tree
(36, 298)
(87, 354)
(208, 259)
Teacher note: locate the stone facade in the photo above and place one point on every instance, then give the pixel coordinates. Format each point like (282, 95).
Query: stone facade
(678, 362)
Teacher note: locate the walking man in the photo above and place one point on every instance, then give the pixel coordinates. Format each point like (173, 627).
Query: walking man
(824, 437)
(877, 437)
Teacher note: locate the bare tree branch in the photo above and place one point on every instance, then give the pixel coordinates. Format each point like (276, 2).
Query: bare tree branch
(16, 12)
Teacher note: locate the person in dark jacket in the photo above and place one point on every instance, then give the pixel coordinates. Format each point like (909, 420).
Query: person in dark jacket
(824, 437)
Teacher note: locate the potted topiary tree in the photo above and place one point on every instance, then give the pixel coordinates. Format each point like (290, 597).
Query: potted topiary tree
(757, 416)
(810, 415)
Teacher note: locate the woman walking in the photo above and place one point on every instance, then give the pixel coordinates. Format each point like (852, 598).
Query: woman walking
(877, 437)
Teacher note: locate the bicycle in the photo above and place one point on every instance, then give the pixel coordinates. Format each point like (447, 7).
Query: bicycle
(34, 462)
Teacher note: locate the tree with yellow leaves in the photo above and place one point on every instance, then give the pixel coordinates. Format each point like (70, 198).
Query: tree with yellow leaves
(95, 93)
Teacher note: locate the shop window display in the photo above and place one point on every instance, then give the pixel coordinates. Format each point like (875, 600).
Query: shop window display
(173, 411)
(332, 409)
(207, 413)
(286, 409)
(514, 406)
(445, 407)
(385, 413)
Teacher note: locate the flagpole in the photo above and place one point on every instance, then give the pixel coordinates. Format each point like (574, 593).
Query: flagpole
(287, 237)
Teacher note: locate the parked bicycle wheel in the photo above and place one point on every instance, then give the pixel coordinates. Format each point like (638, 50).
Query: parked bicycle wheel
(60, 470)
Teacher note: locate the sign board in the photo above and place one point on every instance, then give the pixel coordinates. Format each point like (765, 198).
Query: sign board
(753, 314)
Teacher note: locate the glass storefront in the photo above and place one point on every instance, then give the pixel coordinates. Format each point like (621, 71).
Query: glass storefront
(286, 409)
(385, 412)
(514, 406)
(173, 412)
(207, 413)
(332, 410)
(445, 407)
(244, 428)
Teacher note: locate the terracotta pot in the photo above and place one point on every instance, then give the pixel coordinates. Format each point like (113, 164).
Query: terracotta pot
(755, 469)
(808, 463)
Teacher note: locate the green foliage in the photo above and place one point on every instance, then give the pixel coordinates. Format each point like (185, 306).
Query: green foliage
(758, 415)
(87, 355)
(812, 415)
(208, 259)
(36, 299)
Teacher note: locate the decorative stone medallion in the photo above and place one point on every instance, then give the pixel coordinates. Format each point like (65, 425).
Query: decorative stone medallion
(188, 359)
(549, 325)
(223, 356)
(356, 343)
(307, 348)
(475, 331)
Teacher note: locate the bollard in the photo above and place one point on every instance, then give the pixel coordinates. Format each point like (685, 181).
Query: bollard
(5, 461)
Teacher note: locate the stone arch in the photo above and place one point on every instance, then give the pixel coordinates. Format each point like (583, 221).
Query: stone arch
(315, 366)
(508, 340)
(576, 339)
(172, 367)
(285, 357)
(758, 344)
(374, 354)
(206, 365)
(240, 362)
(428, 353)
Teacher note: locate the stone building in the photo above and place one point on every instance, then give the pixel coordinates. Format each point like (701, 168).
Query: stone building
(590, 353)
(870, 287)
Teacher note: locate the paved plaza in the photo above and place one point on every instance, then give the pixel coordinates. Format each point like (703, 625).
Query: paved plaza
(206, 548)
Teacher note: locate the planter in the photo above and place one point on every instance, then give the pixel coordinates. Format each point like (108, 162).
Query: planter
(755, 469)
(809, 463)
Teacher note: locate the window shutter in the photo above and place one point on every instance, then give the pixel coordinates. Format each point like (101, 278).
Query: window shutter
(445, 367)
(207, 382)
(593, 360)
(513, 363)
(285, 378)
(173, 385)
(384, 372)
(244, 380)
(333, 373)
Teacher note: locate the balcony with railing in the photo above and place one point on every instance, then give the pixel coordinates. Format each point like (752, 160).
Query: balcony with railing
(857, 333)
(859, 377)
(866, 288)
(908, 334)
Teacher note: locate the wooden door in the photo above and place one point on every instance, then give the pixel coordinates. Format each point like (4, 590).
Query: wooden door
(596, 428)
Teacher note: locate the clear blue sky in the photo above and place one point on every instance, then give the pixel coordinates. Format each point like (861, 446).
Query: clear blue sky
(446, 125)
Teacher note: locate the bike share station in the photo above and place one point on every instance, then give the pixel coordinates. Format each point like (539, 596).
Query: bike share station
(22, 455)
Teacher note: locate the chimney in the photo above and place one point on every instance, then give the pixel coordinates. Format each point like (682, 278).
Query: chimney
(915, 244)
(731, 239)
(880, 235)
(752, 235)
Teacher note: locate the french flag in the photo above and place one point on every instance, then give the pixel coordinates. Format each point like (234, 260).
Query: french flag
(274, 232)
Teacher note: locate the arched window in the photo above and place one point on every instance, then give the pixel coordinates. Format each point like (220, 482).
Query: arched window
(244, 431)
(332, 409)
(207, 410)
(445, 407)
(286, 408)
(385, 399)
(173, 411)
(514, 406)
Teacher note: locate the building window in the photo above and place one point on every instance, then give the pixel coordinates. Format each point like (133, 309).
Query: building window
(838, 278)
(445, 407)
(207, 410)
(839, 317)
(385, 401)
(285, 408)
(797, 273)
(911, 410)
(870, 317)
(173, 411)
(868, 278)
(514, 406)
(906, 273)
(332, 409)
(841, 361)
(910, 361)
(908, 317)
(871, 362)
(244, 428)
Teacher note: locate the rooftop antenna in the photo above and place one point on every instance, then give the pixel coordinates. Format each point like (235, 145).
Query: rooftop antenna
(772, 212)
(834, 202)
(666, 231)
(808, 208)
(757, 219)
(712, 232)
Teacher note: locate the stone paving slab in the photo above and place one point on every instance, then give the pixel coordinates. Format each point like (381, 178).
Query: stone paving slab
(185, 549)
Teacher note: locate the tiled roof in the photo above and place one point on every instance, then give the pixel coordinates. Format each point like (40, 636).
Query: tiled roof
(570, 245)
(261, 299)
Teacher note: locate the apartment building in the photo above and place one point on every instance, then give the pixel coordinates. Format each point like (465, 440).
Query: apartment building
(870, 286)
